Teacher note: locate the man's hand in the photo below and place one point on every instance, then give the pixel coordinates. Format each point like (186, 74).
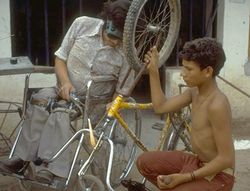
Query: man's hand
(65, 89)
(171, 181)
(152, 59)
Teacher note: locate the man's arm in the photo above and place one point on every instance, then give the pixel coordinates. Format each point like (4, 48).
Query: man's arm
(160, 103)
(61, 55)
(65, 84)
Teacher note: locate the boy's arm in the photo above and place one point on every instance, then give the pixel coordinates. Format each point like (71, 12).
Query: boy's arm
(160, 103)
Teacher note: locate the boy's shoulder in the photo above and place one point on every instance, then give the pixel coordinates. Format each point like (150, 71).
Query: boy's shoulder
(218, 101)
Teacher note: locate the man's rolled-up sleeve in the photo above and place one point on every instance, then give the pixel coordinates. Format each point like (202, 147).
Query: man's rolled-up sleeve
(68, 41)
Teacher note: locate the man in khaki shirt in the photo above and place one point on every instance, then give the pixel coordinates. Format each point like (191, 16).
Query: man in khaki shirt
(211, 166)
(92, 47)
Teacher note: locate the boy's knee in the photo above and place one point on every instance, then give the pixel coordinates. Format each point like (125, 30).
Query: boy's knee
(143, 162)
(140, 160)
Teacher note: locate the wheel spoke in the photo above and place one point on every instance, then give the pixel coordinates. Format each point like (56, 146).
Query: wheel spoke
(145, 21)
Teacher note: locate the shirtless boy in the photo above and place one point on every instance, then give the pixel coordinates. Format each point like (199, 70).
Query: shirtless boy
(211, 165)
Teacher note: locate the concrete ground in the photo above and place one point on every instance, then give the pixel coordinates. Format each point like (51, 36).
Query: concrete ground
(13, 91)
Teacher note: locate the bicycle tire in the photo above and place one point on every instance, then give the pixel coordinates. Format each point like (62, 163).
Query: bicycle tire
(124, 147)
(143, 22)
(174, 139)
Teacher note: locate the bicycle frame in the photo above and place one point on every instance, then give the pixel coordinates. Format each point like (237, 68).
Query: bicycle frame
(113, 113)
(119, 103)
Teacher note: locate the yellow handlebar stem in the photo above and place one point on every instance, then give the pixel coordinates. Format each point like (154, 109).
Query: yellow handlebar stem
(115, 106)
(119, 103)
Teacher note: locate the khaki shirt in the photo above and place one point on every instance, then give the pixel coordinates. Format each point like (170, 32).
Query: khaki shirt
(86, 55)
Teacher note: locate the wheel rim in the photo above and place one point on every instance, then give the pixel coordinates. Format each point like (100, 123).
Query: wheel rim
(154, 21)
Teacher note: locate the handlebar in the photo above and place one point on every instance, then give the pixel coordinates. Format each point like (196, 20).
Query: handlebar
(73, 106)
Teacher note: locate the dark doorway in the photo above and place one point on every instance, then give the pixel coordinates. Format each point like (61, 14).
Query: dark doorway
(39, 25)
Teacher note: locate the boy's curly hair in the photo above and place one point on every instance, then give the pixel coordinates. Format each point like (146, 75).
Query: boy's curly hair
(205, 52)
(116, 11)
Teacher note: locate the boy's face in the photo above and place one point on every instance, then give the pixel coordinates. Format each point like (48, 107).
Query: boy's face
(192, 74)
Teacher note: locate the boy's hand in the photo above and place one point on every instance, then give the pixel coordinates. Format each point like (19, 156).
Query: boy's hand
(171, 181)
(151, 58)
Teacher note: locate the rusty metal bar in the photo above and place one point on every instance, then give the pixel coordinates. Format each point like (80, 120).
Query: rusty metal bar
(235, 87)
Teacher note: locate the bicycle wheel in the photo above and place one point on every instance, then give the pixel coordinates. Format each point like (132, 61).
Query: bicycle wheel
(151, 22)
(124, 147)
(178, 137)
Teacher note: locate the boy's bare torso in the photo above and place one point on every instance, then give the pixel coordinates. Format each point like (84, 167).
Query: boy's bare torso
(202, 134)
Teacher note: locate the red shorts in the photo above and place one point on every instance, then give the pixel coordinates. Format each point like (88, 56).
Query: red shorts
(152, 164)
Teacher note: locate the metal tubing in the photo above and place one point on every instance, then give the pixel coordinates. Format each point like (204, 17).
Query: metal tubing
(85, 166)
(191, 20)
(46, 23)
(63, 17)
(137, 78)
(64, 147)
(28, 13)
(74, 161)
(229, 83)
(16, 140)
(24, 107)
(111, 155)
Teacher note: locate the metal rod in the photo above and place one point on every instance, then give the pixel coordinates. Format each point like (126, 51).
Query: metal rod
(126, 77)
(63, 17)
(111, 155)
(46, 32)
(191, 20)
(232, 85)
(211, 20)
(74, 161)
(28, 26)
(80, 7)
(204, 17)
(137, 78)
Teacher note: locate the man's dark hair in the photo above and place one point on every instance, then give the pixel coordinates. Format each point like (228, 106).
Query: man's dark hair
(205, 52)
(116, 11)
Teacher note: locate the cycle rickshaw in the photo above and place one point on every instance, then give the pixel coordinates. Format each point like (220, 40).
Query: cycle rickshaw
(148, 23)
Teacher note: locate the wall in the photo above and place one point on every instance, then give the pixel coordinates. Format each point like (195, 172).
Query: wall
(5, 39)
(235, 43)
(11, 86)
